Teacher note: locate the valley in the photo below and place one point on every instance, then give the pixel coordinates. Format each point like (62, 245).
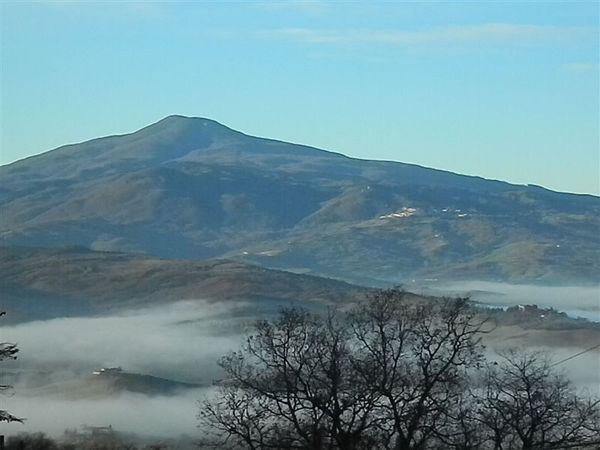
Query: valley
(131, 264)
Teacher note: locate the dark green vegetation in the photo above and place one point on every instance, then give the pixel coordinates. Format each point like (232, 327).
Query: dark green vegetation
(192, 188)
(391, 374)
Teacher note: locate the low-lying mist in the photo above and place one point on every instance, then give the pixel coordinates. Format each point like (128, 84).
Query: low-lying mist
(161, 416)
(577, 301)
(183, 341)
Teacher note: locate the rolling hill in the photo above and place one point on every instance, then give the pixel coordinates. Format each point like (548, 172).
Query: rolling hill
(191, 188)
(97, 385)
(52, 283)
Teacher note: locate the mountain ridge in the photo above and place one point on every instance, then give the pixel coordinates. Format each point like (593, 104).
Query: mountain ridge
(158, 125)
(193, 188)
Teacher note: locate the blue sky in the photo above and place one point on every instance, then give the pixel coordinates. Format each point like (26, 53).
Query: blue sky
(504, 90)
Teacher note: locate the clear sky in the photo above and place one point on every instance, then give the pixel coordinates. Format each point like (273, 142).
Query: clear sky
(504, 90)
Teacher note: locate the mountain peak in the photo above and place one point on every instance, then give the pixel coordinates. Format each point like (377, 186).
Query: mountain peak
(170, 138)
(179, 118)
(178, 123)
(189, 187)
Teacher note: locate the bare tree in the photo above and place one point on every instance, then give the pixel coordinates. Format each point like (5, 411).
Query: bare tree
(385, 376)
(292, 386)
(7, 351)
(528, 405)
(415, 356)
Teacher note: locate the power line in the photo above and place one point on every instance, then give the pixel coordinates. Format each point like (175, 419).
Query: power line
(575, 355)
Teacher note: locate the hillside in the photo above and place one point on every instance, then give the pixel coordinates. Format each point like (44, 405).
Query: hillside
(192, 188)
(96, 385)
(48, 283)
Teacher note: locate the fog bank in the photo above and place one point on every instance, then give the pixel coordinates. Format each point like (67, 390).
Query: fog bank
(577, 301)
(183, 342)
(150, 416)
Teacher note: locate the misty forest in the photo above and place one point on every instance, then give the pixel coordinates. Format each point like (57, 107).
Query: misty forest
(427, 276)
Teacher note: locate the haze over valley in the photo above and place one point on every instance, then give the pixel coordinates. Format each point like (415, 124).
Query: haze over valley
(299, 224)
(178, 345)
(155, 252)
(132, 263)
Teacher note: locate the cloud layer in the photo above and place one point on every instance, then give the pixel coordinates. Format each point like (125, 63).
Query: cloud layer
(181, 341)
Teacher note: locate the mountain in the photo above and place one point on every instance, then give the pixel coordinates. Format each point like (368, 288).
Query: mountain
(192, 188)
(51, 283)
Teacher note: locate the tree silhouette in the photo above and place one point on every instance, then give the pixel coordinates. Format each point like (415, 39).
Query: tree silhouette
(384, 376)
(7, 351)
(391, 374)
(528, 405)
